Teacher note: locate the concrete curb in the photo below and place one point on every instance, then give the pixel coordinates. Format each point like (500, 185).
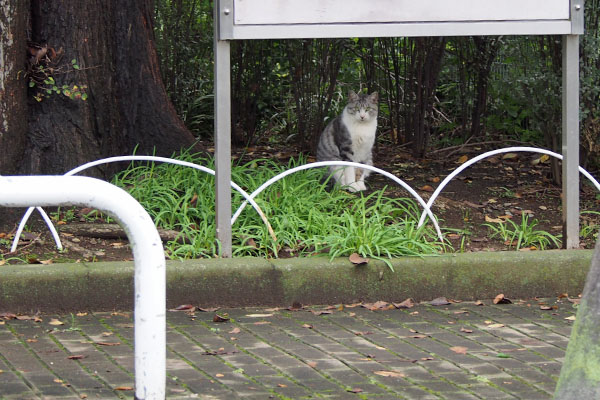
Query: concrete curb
(253, 282)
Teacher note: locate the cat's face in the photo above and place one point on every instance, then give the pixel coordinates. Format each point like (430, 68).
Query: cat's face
(362, 107)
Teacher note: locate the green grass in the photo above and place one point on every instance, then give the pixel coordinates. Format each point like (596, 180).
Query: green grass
(307, 218)
(524, 234)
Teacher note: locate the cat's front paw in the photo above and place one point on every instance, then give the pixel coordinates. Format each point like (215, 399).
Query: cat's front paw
(357, 186)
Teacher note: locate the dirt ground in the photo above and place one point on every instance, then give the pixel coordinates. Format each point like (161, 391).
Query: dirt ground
(500, 187)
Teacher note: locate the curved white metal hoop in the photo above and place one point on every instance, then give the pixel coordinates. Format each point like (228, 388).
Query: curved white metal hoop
(399, 181)
(134, 158)
(492, 153)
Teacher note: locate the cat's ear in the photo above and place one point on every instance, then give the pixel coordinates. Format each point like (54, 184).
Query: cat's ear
(352, 96)
(374, 97)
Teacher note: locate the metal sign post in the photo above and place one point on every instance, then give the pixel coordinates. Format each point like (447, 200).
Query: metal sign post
(301, 19)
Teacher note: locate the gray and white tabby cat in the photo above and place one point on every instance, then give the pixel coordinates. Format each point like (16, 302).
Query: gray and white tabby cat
(350, 137)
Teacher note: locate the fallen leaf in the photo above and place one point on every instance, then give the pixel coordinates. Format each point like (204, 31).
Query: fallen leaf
(210, 309)
(54, 321)
(426, 188)
(81, 314)
(435, 179)
(321, 312)
(363, 333)
(105, 334)
(123, 388)
(258, 315)
(391, 374)
(308, 326)
(356, 259)
(355, 390)
(419, 336)
(571, 318)
(262, 323)
(312, 364)
(426, 358)
(184, 307)
(439, 301)
(465, 330)
(108, 343)
(235, 331)
(31, 340)
(545, 308)
(281, 385)
(494, 326)
(219, 375)
(479, 303)
(408, 303)
(76, 357)
(58, 380)
(493, 220)
(8, 315)
(221, 318)
(459, 349)
(500, 299)
(509, 156)
(462, 159)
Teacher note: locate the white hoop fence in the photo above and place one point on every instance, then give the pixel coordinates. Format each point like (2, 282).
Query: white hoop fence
(320, 164)
(249, 198)
(133, 158)
(491, 153)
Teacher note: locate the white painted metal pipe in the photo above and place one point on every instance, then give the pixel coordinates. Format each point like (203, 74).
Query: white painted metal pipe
(480, 157)
(148, 254)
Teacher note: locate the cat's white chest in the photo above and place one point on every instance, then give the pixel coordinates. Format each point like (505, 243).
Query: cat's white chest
(362, 134)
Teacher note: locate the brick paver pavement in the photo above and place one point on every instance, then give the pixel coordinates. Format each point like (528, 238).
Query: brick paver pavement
(456, 351)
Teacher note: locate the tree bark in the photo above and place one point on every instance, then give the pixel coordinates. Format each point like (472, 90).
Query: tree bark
(13, 88)
(110, 42)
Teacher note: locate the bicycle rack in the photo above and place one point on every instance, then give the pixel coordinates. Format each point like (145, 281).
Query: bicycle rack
(148, 254)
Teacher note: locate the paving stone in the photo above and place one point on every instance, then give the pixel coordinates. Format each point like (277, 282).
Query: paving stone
(283, 358)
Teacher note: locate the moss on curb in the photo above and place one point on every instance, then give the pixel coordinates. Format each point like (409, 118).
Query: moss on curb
(316, 280)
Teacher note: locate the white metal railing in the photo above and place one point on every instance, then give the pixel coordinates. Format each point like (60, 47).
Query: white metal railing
(491, 153)
(249, 198)
(148, 254)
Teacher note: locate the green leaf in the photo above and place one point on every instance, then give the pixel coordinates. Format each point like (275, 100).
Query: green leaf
(75, 66)
(31, 83)
(84, 96)
(502, 355)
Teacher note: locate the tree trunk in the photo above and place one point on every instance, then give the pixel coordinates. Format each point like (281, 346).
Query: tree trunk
(102, 50)
(13, 88)
(487, 49)
(425, 67)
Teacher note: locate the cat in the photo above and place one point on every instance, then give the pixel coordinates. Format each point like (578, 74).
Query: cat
(350, 137)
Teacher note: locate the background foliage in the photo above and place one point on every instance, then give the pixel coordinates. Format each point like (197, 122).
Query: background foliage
(434, 91)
